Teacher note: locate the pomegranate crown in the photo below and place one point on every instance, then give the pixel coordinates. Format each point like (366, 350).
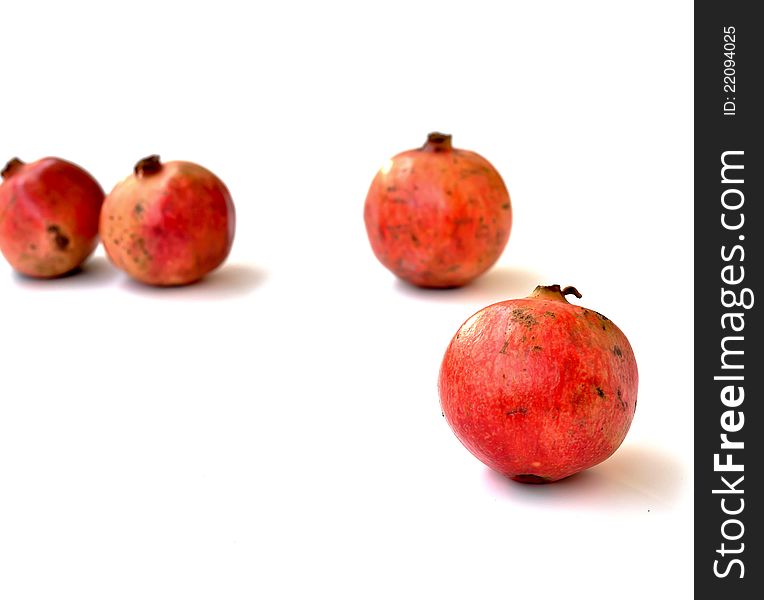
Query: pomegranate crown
(11, 167)
(554, 292)
(147, 166)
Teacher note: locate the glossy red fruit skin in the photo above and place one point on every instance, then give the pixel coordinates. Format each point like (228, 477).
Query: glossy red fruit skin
(539, 389)
(438, 216)
(168, 224)
(48, 216)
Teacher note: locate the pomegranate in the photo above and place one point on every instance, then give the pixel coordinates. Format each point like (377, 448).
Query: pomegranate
(538, 388)
(48, 216)
(437, 216)
(168, 223)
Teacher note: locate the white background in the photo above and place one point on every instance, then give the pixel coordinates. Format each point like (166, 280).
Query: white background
(275, 431)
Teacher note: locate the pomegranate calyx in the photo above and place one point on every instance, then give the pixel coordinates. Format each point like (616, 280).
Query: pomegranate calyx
(571, 290)
(554, 292)
(11, 167)
(148, 166)
(438, 142)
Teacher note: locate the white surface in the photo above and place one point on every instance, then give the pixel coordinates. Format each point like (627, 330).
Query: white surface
(275, 431)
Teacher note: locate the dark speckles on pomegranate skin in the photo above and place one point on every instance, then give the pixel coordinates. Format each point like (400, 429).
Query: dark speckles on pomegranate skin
(60, 241)
(534, 389)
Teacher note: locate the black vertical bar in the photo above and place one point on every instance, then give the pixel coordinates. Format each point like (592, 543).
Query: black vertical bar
(729, 561)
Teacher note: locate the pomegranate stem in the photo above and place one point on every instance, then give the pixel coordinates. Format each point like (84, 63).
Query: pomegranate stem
(11, 167)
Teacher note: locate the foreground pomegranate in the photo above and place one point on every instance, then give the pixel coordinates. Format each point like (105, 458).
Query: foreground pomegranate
(48, 216)
(438, 216)
(539, 389)
(168, 223)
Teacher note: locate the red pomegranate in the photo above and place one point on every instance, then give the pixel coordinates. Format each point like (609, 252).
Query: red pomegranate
(537, 388)
(48, 216)
(438, 216)
(168, 223)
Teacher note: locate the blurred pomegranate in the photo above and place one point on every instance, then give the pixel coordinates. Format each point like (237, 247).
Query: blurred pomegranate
(48, 216)
(438, 216)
